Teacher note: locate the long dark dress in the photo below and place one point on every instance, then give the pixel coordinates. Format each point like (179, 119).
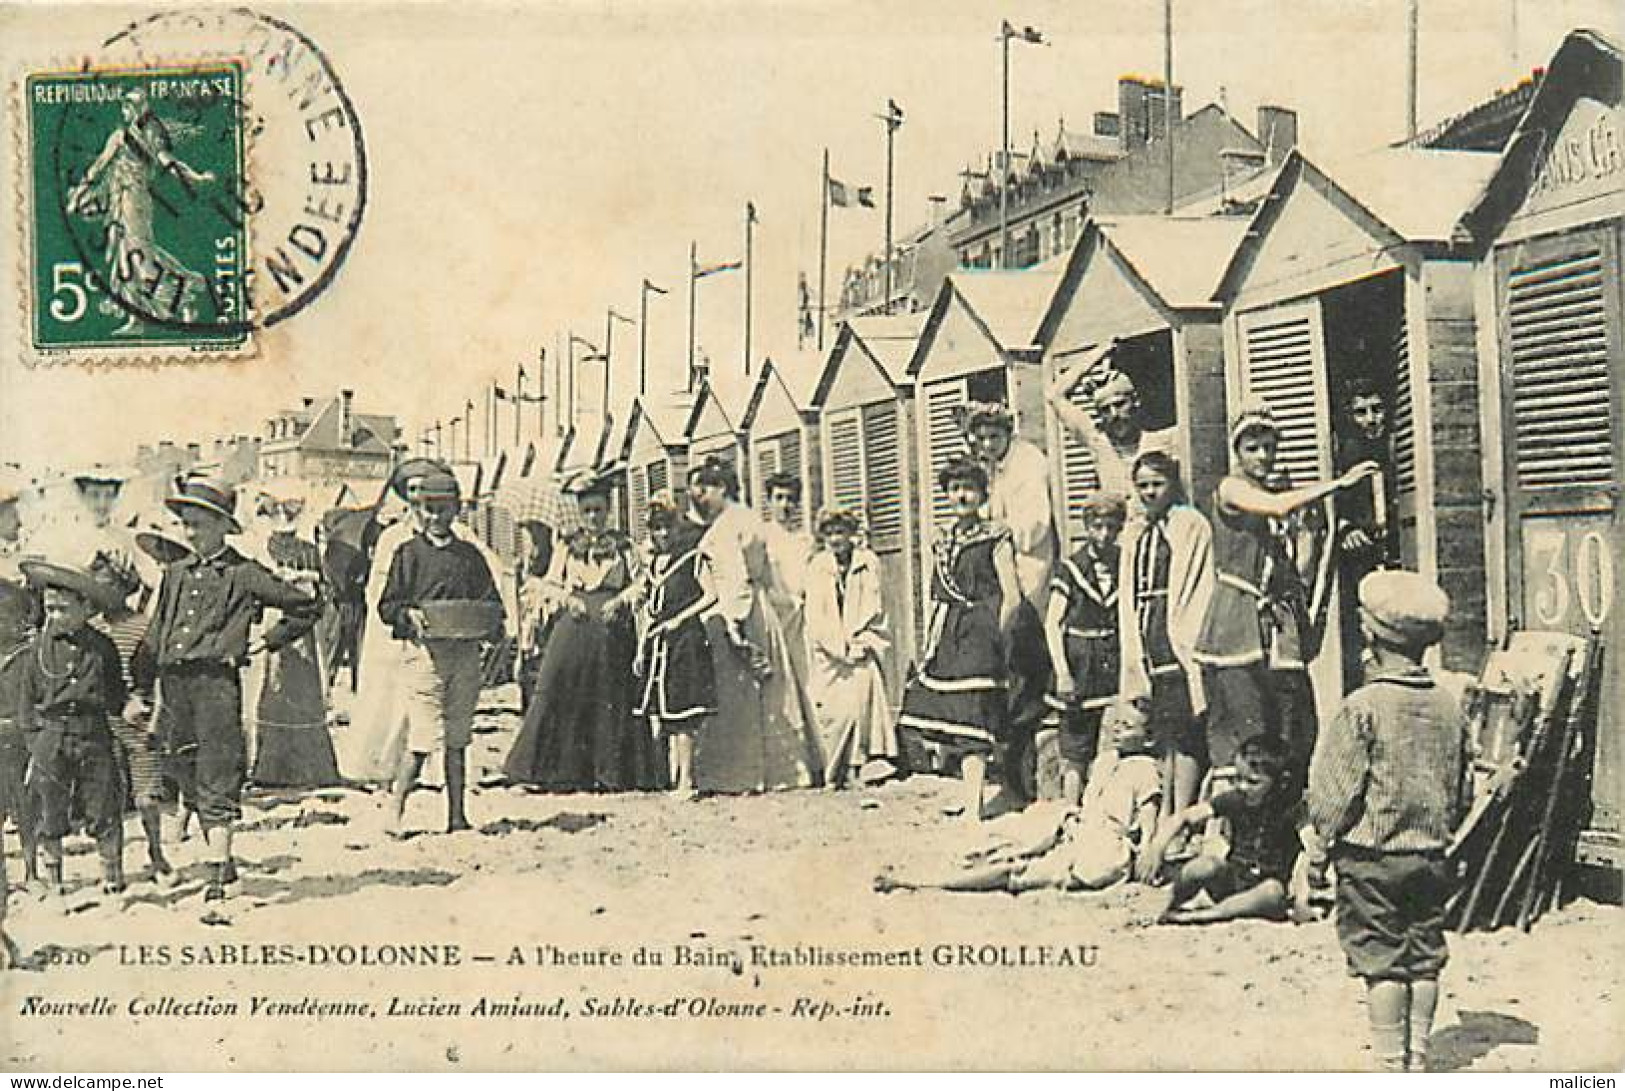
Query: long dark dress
(958, 696)
(579, 733)
(293, 746)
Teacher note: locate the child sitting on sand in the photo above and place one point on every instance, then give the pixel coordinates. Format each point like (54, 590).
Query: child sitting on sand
(1265, 816)
(1090, 848)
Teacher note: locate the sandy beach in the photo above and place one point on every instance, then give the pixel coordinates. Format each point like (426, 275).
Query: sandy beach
(640, 931)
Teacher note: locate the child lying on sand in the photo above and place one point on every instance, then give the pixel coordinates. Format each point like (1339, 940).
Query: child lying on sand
(1090, 848)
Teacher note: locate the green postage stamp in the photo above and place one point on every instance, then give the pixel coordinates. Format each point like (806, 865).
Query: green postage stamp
(135, 211)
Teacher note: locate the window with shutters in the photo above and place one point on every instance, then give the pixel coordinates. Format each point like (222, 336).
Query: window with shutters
(659, 476)
(944, 439)
(637, 483)
(882, 477)
(1404, 418)
(1284, 366)
(1556, 326)
(845, 460)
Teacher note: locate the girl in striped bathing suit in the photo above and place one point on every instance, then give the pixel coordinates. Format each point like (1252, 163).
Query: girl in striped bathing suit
(1081, 630)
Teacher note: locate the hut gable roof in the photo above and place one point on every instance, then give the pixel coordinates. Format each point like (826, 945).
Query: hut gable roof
(1587, 64)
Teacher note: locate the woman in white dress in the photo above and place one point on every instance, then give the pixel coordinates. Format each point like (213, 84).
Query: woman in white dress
(846, 640)
(762, 736)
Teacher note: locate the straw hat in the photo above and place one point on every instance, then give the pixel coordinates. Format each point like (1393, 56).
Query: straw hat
(101, 594)
(210, 494)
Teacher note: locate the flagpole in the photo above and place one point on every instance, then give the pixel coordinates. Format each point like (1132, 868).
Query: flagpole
(893, 121)
(1168, 93)
(558, 388)
(643, 339)
(750, 222)
(468, 425)
(1412, 18)
(519, 398)
(569, 383)
(693, 294)
(823, 246)
(1004, 161)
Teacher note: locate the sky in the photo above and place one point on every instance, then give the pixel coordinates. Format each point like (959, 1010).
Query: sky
(532, 163)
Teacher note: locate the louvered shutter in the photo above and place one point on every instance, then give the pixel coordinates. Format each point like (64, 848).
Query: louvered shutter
(637, 483)
(882, 472)
(845, 461)
(944, 439)
(1404, 416)
(1077, 467)
(1284, 364)
(659, 476)
(1557, 326)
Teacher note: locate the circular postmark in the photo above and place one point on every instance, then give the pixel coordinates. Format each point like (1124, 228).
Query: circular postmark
(208, 172)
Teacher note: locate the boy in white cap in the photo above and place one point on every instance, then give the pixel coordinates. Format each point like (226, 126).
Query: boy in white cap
(1385, 792)
(199, 642)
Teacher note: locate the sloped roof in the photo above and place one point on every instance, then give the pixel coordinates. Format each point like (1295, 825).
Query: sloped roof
(1421, 193)
(1180, 258)
(665, 415)
(707, 395)
(1011, 303)
(370, 433)
(1587, 63)
(772, 374)
(891, 340)
(1086, 146)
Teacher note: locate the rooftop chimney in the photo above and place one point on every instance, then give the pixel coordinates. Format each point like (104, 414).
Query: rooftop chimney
(1277, 131)
(1139, 110)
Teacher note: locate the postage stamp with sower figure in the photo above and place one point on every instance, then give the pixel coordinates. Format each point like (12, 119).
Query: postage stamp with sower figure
(136, 180)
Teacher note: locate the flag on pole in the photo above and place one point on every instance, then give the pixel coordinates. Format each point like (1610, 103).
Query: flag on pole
(656, 289)
(842, 195)
(894, 112)
(503, 395)
(1026, 33)
(750, 212)
(722, 267)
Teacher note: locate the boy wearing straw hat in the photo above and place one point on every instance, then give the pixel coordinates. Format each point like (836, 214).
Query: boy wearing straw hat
(1385, 793)
(70, 685)
(199, 642)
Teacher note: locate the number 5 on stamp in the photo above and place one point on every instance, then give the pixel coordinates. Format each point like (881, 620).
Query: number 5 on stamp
(137, 237)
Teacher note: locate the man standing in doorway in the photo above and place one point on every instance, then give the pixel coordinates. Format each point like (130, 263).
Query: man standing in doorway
(1111, 425)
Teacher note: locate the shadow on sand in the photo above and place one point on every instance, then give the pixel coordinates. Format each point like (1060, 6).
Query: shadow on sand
(1476, 1036)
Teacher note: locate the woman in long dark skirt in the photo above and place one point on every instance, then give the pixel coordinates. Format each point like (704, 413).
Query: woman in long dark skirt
(579, 733)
